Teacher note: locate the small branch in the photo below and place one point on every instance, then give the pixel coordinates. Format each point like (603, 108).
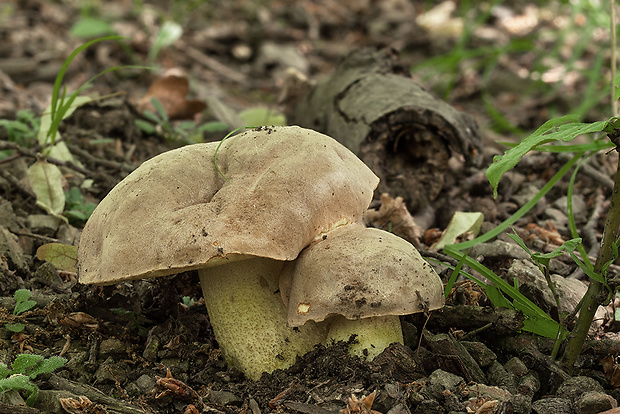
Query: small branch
(17, 184)
(597, 292)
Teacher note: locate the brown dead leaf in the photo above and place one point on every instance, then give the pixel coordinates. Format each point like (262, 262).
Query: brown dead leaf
(549, 234)
(611, 370)
(361, 406)
(172, 92)
(81, 405)
(79, 320)
(394, 217)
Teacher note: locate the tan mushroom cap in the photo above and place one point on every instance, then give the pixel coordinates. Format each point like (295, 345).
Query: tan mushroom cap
(359, 273)
(286, 186)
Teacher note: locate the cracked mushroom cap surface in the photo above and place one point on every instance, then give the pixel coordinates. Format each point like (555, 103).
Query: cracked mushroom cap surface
(175, 212)
(359, 273)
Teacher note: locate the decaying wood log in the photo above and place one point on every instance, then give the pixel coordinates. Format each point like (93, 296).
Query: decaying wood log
(401, 131)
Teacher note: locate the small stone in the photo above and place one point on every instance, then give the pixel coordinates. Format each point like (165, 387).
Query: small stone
(141, 386)
(76, 361)
(573, 387)
(176, 363)
(151, 348)
(497, 375)
(521, 404)
(224, 398)
(593, 402)
(429, 407)
(529, 385)
(399, 409)
(111, 371)
(480, 352)
(498, 249)
(579, 205)
(47, 275)
(112, 347)
(516, 366)
(552, 405)
(489, 392)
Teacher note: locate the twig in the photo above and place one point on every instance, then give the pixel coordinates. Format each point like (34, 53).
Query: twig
(17, 184)
(591, 172)
(100, 161)
(210, 63)
(597, 291)
(275, 400)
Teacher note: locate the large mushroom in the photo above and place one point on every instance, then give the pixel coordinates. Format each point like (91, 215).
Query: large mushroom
(360, 279)
(284, 187)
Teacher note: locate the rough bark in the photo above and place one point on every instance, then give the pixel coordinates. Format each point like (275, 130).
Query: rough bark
(404, 133)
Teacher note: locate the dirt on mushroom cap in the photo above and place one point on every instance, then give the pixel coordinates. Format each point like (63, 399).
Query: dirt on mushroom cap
(176, 212)
(358, 272)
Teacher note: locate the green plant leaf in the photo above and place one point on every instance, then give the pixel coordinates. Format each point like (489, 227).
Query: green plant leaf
(4, 370)
(89, 27)
(568, 246)
(496, 297)
(161, 111)
(565, 128)
(539, 322)
(514, 236)
(617, 87)
(22, 302)
(25, 361)
(62, 256)
(213, 126)
(455, 273)
(53, 129)
(22, 295)
(145, 126)
(34, 394)
(15, 327)
(24, 306)
(523, 210)
(169, 33)
(262, 116)
(47, 365)
(43, 137)
(461, 222)
(46, 182)
(14, 382)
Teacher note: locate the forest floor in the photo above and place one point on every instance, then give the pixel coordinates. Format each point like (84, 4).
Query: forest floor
(512, 66)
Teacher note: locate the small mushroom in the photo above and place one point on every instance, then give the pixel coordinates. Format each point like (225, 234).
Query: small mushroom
(361, 279)
(283, 188)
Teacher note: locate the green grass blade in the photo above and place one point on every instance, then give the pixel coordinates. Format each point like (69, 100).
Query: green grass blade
(571, 217)
(454, 276)
(65, 66)
(218, 148)
(564, 129)
(522, 211)
(597, 145)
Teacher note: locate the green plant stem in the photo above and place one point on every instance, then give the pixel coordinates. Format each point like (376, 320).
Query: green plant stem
(597, 292)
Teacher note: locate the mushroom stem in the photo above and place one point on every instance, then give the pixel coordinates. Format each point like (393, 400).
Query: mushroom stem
(373, 334)
(249, 318)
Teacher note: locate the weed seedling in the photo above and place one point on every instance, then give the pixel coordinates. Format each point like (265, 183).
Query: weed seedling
(159, 123)
(24, 369)
(22, 304)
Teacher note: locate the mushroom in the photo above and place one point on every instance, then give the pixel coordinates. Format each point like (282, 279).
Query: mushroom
(284, 187)
(361, 279)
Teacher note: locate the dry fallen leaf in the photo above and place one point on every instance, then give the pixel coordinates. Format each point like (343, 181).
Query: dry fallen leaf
(172, 92)
(361, 406)
(549, 234)
(62, 256)
(81, 405)
(394, 217)
(80, 319)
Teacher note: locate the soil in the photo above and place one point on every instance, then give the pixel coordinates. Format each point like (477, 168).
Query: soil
(147, 346)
